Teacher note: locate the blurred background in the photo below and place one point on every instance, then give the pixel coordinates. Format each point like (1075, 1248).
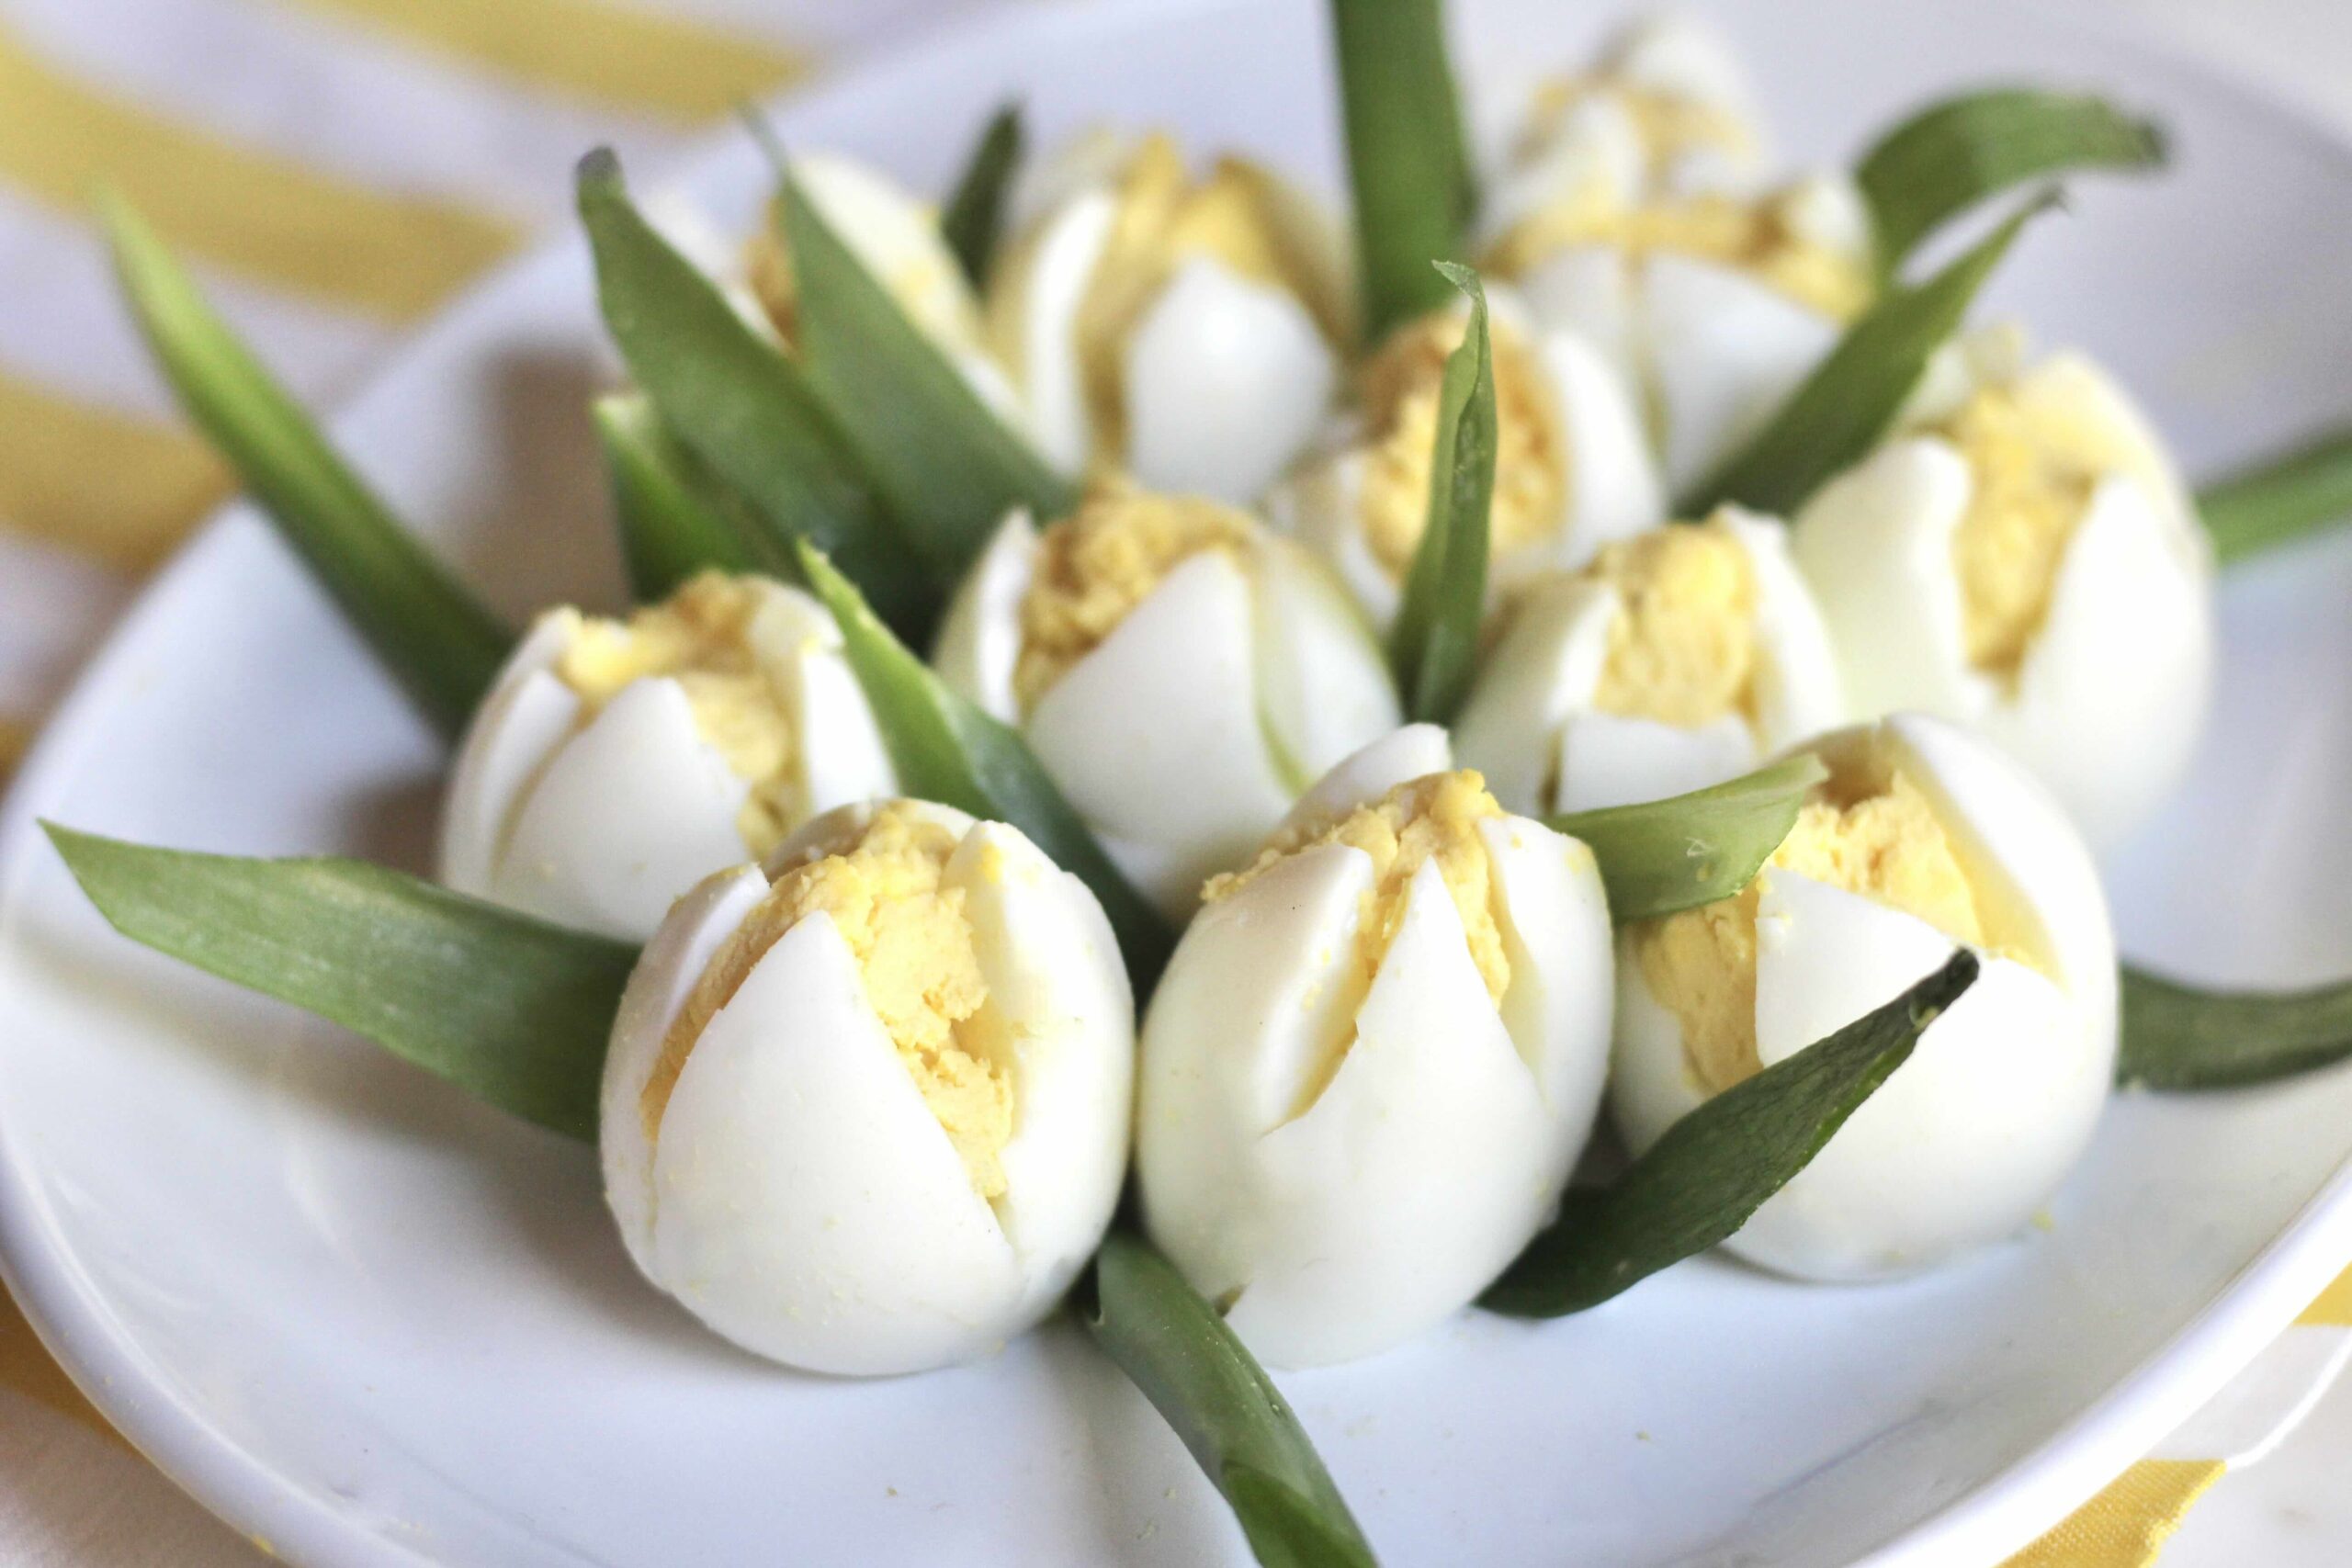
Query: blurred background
(338, 170)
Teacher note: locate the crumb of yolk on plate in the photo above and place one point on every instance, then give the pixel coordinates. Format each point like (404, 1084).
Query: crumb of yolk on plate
(921, 971)
(2032, 474)
(1399, 388)
(1096, 565)
(1879, 838)
(1683, 651)
(708, 637)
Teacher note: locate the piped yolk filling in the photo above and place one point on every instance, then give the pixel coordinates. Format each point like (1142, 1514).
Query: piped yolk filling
(1399, 388)
(1433, 819)
(1095, 566)
(707, 637)
(2032, 480)
(1760, 238)
(1683, 651)
(921, 972)
(1876, 835)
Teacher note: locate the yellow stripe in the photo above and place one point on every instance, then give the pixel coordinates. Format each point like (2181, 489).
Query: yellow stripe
(15, 739)
(2333, 1308)
(616, 55)
(102, 484)
(28, 1370)
(242, 208)
(2127, 1525)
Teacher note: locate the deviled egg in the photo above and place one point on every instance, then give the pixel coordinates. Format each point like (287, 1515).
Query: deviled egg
(615, 763)
(1373, 1058)
(1187, 329)
(2021, 557)
(1678, 659)
(1573, 467)
(1924, 838)
(866, 1111)
(1183, 672)
(1633, 216)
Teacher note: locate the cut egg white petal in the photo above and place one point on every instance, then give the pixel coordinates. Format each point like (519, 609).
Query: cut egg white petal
(1608, 759)
(1724, 350)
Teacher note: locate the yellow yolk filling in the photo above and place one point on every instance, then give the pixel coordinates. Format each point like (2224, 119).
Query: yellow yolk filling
(1165, 217)
(1096, 565)
(704, 637)
(2032, 478)
(1399, 386)
(1885, 844)
(1669, 126)
(1683, 651)
(1433, 818)
(1759, 238)
(921, 972)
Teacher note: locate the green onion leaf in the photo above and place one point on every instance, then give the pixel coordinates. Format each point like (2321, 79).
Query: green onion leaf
(1714, 1168)
(975, 213)
(511, 1010)
(674, 519)
(1953, 154)
(2177, 1036)
(738, 403)
(1230, 1415)
(1852, 399)
(1663, 855)
(1409, 166)
(436, 639)
(946, 465)
(1434, 644)
(2281, 498)
(946, 750)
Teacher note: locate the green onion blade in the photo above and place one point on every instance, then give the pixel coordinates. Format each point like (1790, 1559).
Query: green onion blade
(947, 466)
(740, 403)
(1663, 855)
(1850, 400)
(974, 216)
(1222, 1403)
(512, 1010)
(2280, 499)
(1700, 1182)
(2183, 1037)
(436, 639)
(946, 750)
(1960, 151)
(1408, 164)
(1434, 644)
(674, 518)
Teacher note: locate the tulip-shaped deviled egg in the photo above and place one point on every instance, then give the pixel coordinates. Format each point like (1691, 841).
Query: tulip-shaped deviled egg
(2021, 557)
(870, 1114)
(1182, 672)
(1923, 838)
(1678, 659)
(1186, 330)
(1633, 217)
(1573, 467)
(615, 763)
(1373, 1058)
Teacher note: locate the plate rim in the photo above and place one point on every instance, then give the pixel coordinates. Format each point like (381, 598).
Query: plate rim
(77, 1327)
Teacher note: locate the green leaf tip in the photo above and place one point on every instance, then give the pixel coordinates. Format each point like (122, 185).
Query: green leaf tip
(946, 748)
(1852, 398)
(2177, 1036)
(440, 643)
(1232, 1418)
(974, 216)
(1960, 151)
(512, 1010)
(1659, 856)
(1714, 1168)
(1434, 646)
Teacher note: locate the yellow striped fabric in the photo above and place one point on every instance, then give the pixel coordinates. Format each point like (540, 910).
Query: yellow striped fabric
(628, 59)
(117, 488)
(2127, 1525)
(2333, 1308)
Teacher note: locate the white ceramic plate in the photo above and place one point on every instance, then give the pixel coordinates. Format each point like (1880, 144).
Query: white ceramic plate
(373, 1323)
